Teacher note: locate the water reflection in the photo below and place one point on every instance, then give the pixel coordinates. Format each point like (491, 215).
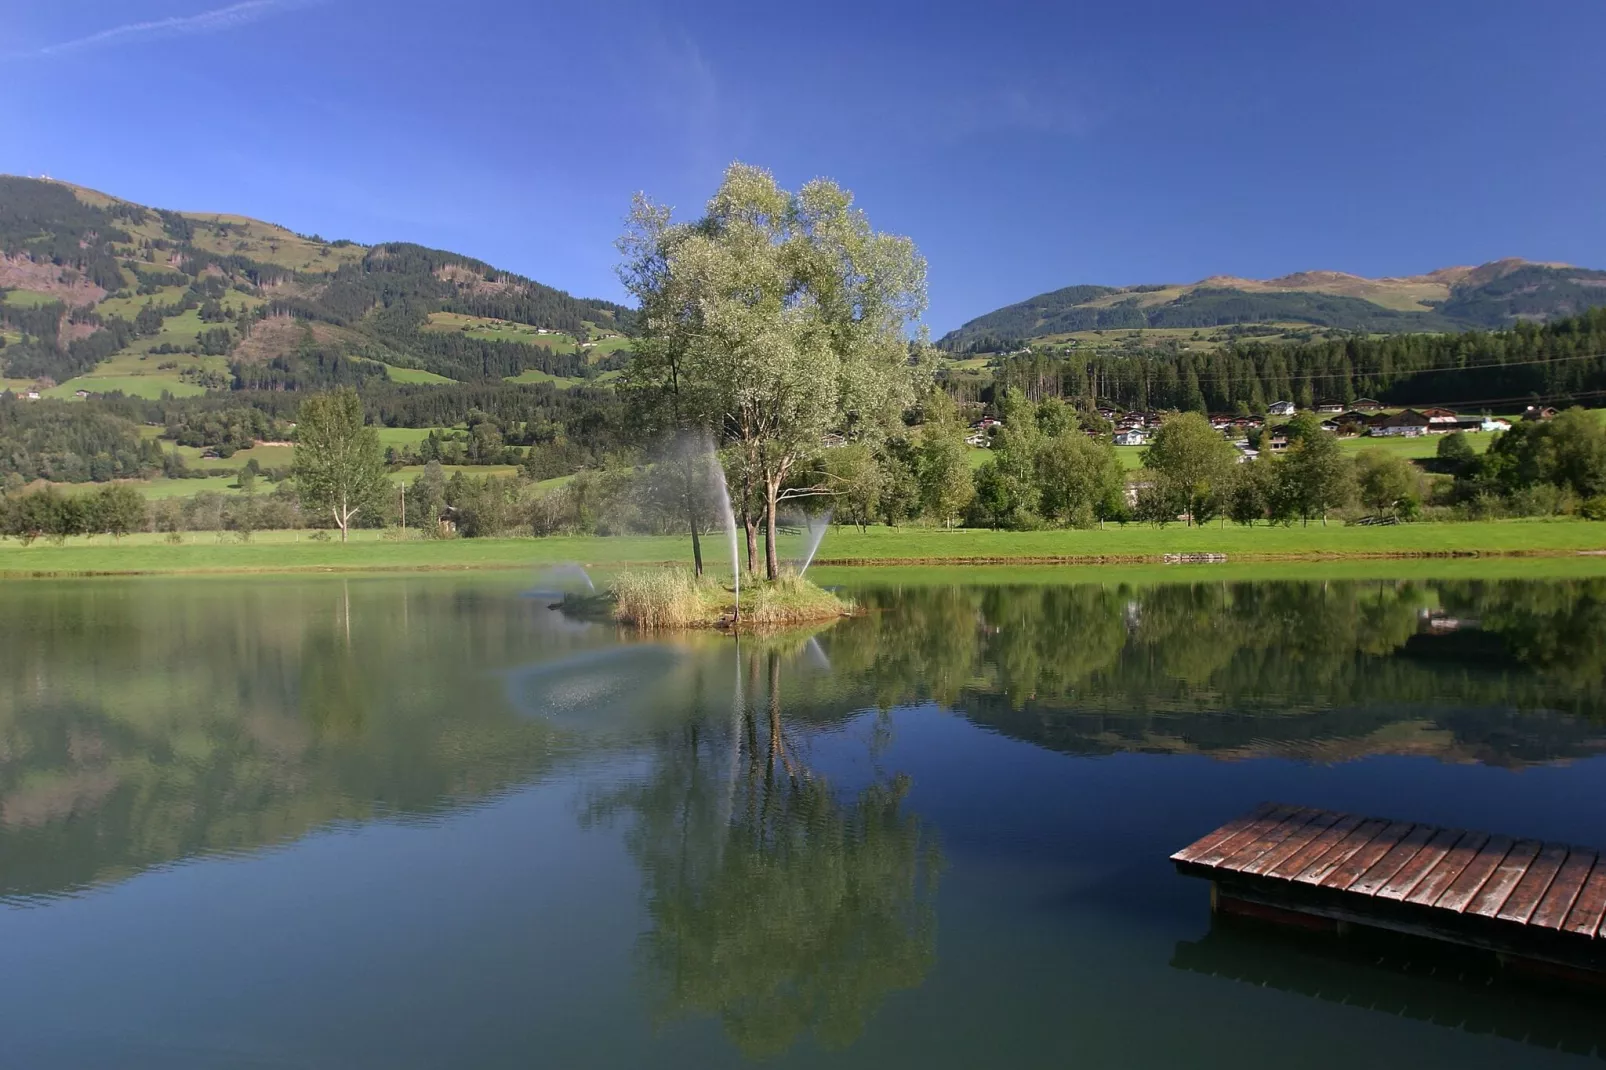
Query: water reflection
(1503, 672)
(1453, 988)
(777, 904)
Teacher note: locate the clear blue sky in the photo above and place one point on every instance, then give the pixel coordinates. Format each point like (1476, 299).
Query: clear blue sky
(1023, 147)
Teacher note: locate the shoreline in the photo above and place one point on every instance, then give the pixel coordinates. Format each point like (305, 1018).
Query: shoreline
(1159, 561)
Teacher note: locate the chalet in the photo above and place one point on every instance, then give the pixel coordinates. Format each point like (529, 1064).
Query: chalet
(1366, 404)
(1408, 423)
(1441, 419)
(1276, 442)
(1328, 408)
(80, 393)
(1332, 426)
(1132, 437)
(1281, 408)
(1353, 422)
(32, 395)
(1494, 423)
(1538, 412)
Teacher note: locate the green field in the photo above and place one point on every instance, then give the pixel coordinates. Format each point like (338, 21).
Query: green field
(140, 386)
(1047, 550)
(495, 330)
(608, 346)
(405, 436)
(413, 375)
(1416, 449)
(537, 376)
(410, 472)
(27, 299)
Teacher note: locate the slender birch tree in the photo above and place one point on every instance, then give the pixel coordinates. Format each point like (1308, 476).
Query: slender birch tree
(339, 467)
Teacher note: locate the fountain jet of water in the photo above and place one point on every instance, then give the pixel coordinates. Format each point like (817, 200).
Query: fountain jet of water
(717, 477)
(816, 526)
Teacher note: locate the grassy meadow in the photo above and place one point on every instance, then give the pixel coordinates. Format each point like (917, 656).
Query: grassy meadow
(375, 550)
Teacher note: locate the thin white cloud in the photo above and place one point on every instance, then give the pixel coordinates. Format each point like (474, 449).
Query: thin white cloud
(214, 21)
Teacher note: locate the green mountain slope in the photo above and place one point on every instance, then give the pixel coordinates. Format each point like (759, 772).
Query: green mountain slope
(102, 294)
(1494, 295)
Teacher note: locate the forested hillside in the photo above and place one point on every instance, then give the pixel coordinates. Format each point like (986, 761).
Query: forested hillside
(1499, 294)
(1558, 363)
(103, 295)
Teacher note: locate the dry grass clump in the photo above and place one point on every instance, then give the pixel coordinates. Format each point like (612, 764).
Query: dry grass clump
(663, 598)
(672, 598)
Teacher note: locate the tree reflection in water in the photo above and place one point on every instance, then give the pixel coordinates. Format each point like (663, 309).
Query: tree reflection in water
(777, 904)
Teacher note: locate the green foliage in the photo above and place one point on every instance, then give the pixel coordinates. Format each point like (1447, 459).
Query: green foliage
(1386, 482)
(1567, 453)
(71, 443)
(942, 464)
(339, 469)
(776, 319)
(1189, 461)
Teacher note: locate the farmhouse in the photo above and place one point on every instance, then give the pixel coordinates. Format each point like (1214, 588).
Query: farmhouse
(1408, 423)
(1131, 437)
(1281, 408)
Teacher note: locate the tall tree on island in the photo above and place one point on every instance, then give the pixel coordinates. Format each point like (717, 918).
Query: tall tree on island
(339, 467)
(775, 319)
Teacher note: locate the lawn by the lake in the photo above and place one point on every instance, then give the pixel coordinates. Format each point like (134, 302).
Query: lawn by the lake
(373, 550)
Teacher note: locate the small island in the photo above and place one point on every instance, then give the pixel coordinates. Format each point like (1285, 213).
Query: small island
(666, 598)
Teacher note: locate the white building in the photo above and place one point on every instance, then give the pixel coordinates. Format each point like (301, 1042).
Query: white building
(1281, 408)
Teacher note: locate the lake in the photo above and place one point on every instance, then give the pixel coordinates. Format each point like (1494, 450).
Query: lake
(427, 821)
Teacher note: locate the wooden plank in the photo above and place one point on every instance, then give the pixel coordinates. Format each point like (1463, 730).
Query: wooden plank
(1232, 844)
(1421, 864)
(1524, 898)
(1584, 918)
(1323, 820)
(1222, 834)
(1478, 871)
(1563, 893)
(1340, 853)
(1317, 847)
(1267, 840)
(1364, 859)
(1504, 880)
(1394, 860)
(1450, 867)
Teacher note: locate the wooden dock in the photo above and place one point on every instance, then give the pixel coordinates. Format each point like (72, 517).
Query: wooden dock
(1525, 900)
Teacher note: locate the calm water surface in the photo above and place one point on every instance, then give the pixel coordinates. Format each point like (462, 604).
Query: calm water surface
(429, 822)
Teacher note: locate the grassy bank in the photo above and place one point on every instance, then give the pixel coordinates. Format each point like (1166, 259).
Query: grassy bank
(297, 551)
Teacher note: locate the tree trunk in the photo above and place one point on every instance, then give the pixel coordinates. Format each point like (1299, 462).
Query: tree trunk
(696, 552)
(772, 567)
(752, 540)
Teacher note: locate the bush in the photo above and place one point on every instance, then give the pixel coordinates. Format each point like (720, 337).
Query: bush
(1593, 508)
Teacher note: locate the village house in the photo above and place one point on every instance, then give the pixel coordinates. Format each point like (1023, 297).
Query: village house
(1408, 423)
(1538, 412)
(1131, 437)
(1494, 423)
(1330, 407)
(1281, 408)
(1366, 404)
(1441, 419)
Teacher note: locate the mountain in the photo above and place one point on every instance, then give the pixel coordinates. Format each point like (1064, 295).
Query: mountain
(1497, 294)
(102, 294)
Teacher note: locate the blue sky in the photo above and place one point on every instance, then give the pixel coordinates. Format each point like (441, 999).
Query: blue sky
(1023, 147)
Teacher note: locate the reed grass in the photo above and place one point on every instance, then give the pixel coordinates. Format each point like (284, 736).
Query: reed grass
(674, 598)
